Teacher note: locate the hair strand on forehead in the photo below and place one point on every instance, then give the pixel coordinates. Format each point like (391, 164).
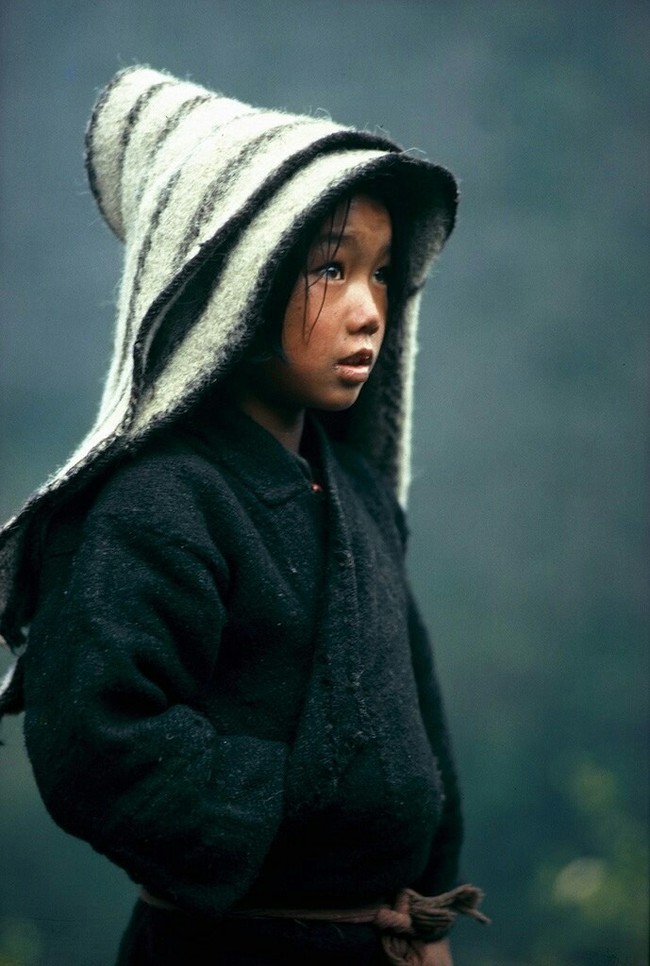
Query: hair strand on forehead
(333, 243)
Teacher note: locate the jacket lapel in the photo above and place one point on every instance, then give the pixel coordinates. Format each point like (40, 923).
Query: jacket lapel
(333, 725)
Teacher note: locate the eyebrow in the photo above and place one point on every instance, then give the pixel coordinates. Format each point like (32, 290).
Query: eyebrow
(333, 240)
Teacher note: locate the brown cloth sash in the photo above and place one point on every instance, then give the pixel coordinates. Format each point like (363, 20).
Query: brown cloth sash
(405, 927)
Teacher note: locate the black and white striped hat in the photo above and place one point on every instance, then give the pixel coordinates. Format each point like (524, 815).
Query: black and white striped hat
(184, 175)
(187, 177)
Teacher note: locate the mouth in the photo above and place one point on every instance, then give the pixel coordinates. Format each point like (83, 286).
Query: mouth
(361, 358)
(356, 367)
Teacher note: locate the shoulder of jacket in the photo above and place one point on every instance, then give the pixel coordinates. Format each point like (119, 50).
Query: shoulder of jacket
(364, 476)
(373, 489)
(166, 477)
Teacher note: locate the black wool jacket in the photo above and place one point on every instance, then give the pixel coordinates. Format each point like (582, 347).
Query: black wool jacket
(228, 689)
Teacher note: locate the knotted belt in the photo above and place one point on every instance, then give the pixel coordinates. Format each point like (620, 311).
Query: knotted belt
(405, 927)
(414, 920)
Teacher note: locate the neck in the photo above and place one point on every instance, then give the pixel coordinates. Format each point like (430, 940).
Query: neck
(286, 424)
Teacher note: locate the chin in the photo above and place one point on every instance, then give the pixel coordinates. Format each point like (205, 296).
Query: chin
(335, 405)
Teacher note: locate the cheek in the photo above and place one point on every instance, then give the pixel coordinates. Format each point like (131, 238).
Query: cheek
(307, 356)
(384, 306)
(296, 318)
(309, 327)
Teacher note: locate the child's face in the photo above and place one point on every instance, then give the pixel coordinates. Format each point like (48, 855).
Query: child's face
(335, 319)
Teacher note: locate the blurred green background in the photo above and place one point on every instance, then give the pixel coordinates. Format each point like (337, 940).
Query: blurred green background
(528, 510)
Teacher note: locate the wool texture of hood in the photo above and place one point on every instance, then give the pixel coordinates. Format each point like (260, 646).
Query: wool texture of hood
(197, 184)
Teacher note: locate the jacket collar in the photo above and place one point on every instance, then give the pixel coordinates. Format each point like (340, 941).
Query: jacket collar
(231, 438)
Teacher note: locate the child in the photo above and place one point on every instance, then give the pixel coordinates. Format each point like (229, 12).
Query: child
(228, 689)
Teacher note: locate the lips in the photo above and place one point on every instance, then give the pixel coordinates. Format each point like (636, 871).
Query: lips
(355, 369)
(361, 358)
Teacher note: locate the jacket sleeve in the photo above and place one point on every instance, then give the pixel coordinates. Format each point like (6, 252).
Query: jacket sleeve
(441, 873)
(442, 869)
(123, 642)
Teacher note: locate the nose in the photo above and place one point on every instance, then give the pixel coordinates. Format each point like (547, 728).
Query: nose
(367, 309)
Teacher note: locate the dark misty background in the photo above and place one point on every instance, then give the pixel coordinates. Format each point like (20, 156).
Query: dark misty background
(528, 547)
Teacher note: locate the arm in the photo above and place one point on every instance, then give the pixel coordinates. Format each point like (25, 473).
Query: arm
(442, 868)
(119, 651)
(442, 871)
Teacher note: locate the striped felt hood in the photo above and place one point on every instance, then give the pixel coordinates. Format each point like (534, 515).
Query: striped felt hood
(194, 182)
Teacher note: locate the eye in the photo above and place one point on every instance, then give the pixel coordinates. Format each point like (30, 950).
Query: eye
(382, 275)
(330, 270)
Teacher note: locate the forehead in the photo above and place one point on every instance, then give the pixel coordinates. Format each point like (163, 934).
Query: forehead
(354, 219)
